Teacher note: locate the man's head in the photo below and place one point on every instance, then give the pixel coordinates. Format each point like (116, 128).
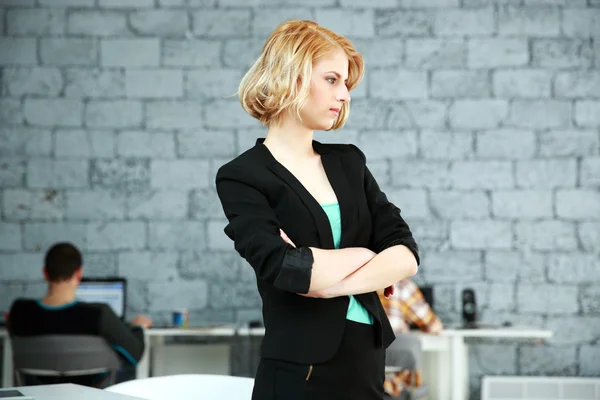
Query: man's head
(63, 263)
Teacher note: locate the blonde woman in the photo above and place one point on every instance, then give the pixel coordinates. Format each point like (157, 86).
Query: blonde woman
(312, 222)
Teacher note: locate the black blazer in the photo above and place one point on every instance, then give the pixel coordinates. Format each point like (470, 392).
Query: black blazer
(260, 196)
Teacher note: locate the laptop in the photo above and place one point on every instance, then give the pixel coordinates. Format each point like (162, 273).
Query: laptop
(110, 291)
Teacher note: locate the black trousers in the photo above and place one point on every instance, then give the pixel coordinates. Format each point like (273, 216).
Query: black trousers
(356, 372)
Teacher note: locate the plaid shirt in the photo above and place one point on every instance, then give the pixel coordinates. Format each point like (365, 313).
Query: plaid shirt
(407, 306)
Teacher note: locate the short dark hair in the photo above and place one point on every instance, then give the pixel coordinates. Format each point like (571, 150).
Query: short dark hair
(62, 261)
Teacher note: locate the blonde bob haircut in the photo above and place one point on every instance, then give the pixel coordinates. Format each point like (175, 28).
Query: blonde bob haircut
(279, 81)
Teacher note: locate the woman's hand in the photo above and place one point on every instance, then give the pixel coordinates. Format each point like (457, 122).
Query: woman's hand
(389, 291)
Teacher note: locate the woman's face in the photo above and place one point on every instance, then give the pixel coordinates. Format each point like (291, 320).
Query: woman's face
(328, 91)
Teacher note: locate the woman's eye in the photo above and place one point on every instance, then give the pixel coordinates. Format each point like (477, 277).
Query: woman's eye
(331, 80)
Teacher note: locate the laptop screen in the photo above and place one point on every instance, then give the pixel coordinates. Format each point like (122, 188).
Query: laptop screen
(110, 291)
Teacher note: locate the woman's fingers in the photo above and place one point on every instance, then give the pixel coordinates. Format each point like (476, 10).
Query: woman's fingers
(286, 238)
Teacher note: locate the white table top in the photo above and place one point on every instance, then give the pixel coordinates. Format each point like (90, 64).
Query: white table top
(69, 391)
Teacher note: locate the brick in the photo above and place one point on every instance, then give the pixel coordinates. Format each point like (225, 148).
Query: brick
(217, 240)
(456, 205)
(53, 112)
(569, 3)
(33, 205)
(170, 23)
(590, 299)
(165, 83)
(423, 174)
(522, 204)
(573, 84)
(140, 52)
(35, 22)
(500, 297)
(209, 83)
(94, 83)
(386, 144)
(418, 114)
(589, 236)
(589, 172)
(435, 53)
(482, 175)
(522, 84)
(573, 268)
(222, 23)
(66, 3)
(596, 53)
(173, 114)
(573, 329)
(179, 174)
(10, 236)
(12, 172)
(506, 144)
(158, 205)
(20, 267)
(205, 143)
(446, 145)
(84, 144)
(146, 144)
(234, 295)
(35, 289)
(21, 141)
(561, 53)
(68, 51)
(120, 174)
(477, 114)
(32, 81)
(483, 234)
(10, 292)
(227, 114)
(429, 4)
(205, 204)
(46, 173)
(578, 204)
(139, 265)
(192, 53)
(137, 299)
(546, 235)
(88, 205)
(546, 174)
(588, 360)
(134, 4)
(548, 361)
(539, 114)
(97, 23)
(404, 23)
(188, 3)
(291, 3)
(168, 296)
(569, 143)
(215, 266)
(584, 23)
(11, 111)
(368, 114)
(113, 114)
(547, 299)
(116, 235)
(587, 113)
(529, 21)
(385, 84)
(18, 3)
(18, 51)
(513, 266)
(182, 235)
(488, 53)
(441, 267)
(457, 84)
(459, 22)
(347, 22)
(270, 18)
(40, 236)
(497, 357)
(412, 202)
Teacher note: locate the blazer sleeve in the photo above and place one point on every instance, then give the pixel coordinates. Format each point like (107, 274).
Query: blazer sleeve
(389, 228)
(254, 229)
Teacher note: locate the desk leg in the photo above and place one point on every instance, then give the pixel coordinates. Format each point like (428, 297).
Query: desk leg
(458, 370)
(7, 365)
(158, 356)
(143, 367)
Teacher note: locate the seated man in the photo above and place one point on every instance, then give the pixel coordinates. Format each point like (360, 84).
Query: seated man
(405, 305)
(58, 312)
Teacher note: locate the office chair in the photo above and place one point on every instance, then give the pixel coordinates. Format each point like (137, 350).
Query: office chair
(64, 357)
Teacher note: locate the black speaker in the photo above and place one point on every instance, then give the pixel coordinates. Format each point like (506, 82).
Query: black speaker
(469, 307)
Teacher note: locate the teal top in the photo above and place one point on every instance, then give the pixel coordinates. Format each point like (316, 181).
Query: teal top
(356, 312)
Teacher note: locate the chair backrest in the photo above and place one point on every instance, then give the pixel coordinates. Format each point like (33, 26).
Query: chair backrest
(63, 355)
(188, 387)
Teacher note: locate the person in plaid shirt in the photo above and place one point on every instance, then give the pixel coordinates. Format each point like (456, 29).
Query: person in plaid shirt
(405, 305)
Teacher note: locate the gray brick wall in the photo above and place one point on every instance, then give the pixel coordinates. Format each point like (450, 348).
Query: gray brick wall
(480, 118)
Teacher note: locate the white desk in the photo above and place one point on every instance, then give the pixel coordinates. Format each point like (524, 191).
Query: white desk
(449, 351)
(69, 391)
